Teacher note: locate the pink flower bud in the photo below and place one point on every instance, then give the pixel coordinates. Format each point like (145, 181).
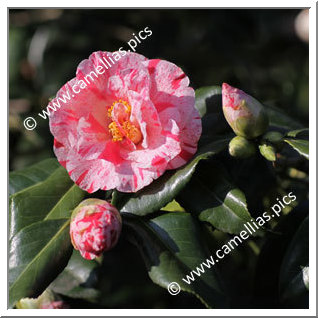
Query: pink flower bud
(95, 227)
(245, 115)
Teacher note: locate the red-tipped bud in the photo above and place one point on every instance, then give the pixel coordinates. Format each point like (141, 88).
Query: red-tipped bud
(245, 115)
(95, 227)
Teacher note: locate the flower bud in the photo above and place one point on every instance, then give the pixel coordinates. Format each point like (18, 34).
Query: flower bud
(267, 151)
(275, 138)
(242, 148)
(95, 227)
(245, 115)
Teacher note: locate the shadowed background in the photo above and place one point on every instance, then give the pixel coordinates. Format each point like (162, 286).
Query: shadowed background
(263, 52)
(255, 50)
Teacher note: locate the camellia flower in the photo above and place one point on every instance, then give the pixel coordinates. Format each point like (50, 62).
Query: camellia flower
(134, 121)
(245, 115)
(95, 227)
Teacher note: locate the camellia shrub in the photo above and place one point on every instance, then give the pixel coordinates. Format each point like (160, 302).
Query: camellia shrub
(143, 158)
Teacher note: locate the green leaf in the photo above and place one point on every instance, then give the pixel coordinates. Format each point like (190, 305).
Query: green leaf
(267, 151)
(52, 198)
(211, 195)
(163, 190)
(301, 146)
(270, 259)
(292, 285)
(305, 276)
(21, 179)
(204, 95)
(299, 133)
(296, 295)
(298, 139)
(38, 253)
(279, 119)
(173, 206)
(39, 227)
(36, 303)
(171, 246)
(77, 279)
(208, 101)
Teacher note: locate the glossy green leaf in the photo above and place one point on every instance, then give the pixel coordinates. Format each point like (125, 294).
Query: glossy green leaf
(269, 262)
(305, 276)
(299, 133)
(211, 195)
(205, 95)
(208, 101)
(292, 285)
(173, 206)
(39, 227)
(267, 151)
(52, 198)
(281, 120)
(38, 253)
(301, 146)
(298, 139)
(36, 303)
(163, 190)
(296, 295)
(21, 179)
(77, 279)
(171, 246)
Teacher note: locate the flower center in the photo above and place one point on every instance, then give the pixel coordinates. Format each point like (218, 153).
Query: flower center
(121, 127)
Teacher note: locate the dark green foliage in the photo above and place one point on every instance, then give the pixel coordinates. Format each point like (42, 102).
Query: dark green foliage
(217, 192)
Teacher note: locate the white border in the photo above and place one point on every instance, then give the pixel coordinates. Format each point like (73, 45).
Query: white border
(163, 3)
(313, 158)
(312, 189)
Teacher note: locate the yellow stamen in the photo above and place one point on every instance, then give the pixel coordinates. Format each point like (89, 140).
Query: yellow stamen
(117, 135)
(128, 129)
(120, 101)
(132, 132)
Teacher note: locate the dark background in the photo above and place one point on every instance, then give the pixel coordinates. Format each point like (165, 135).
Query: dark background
(255, 50)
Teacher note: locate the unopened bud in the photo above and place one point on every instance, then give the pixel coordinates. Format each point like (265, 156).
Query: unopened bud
(242, 148)
(245, 115)
(275, 138)
(95, 227)
(267, 151)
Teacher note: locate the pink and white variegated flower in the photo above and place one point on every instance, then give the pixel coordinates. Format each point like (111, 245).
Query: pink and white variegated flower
(95, 227)
(132, 123)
